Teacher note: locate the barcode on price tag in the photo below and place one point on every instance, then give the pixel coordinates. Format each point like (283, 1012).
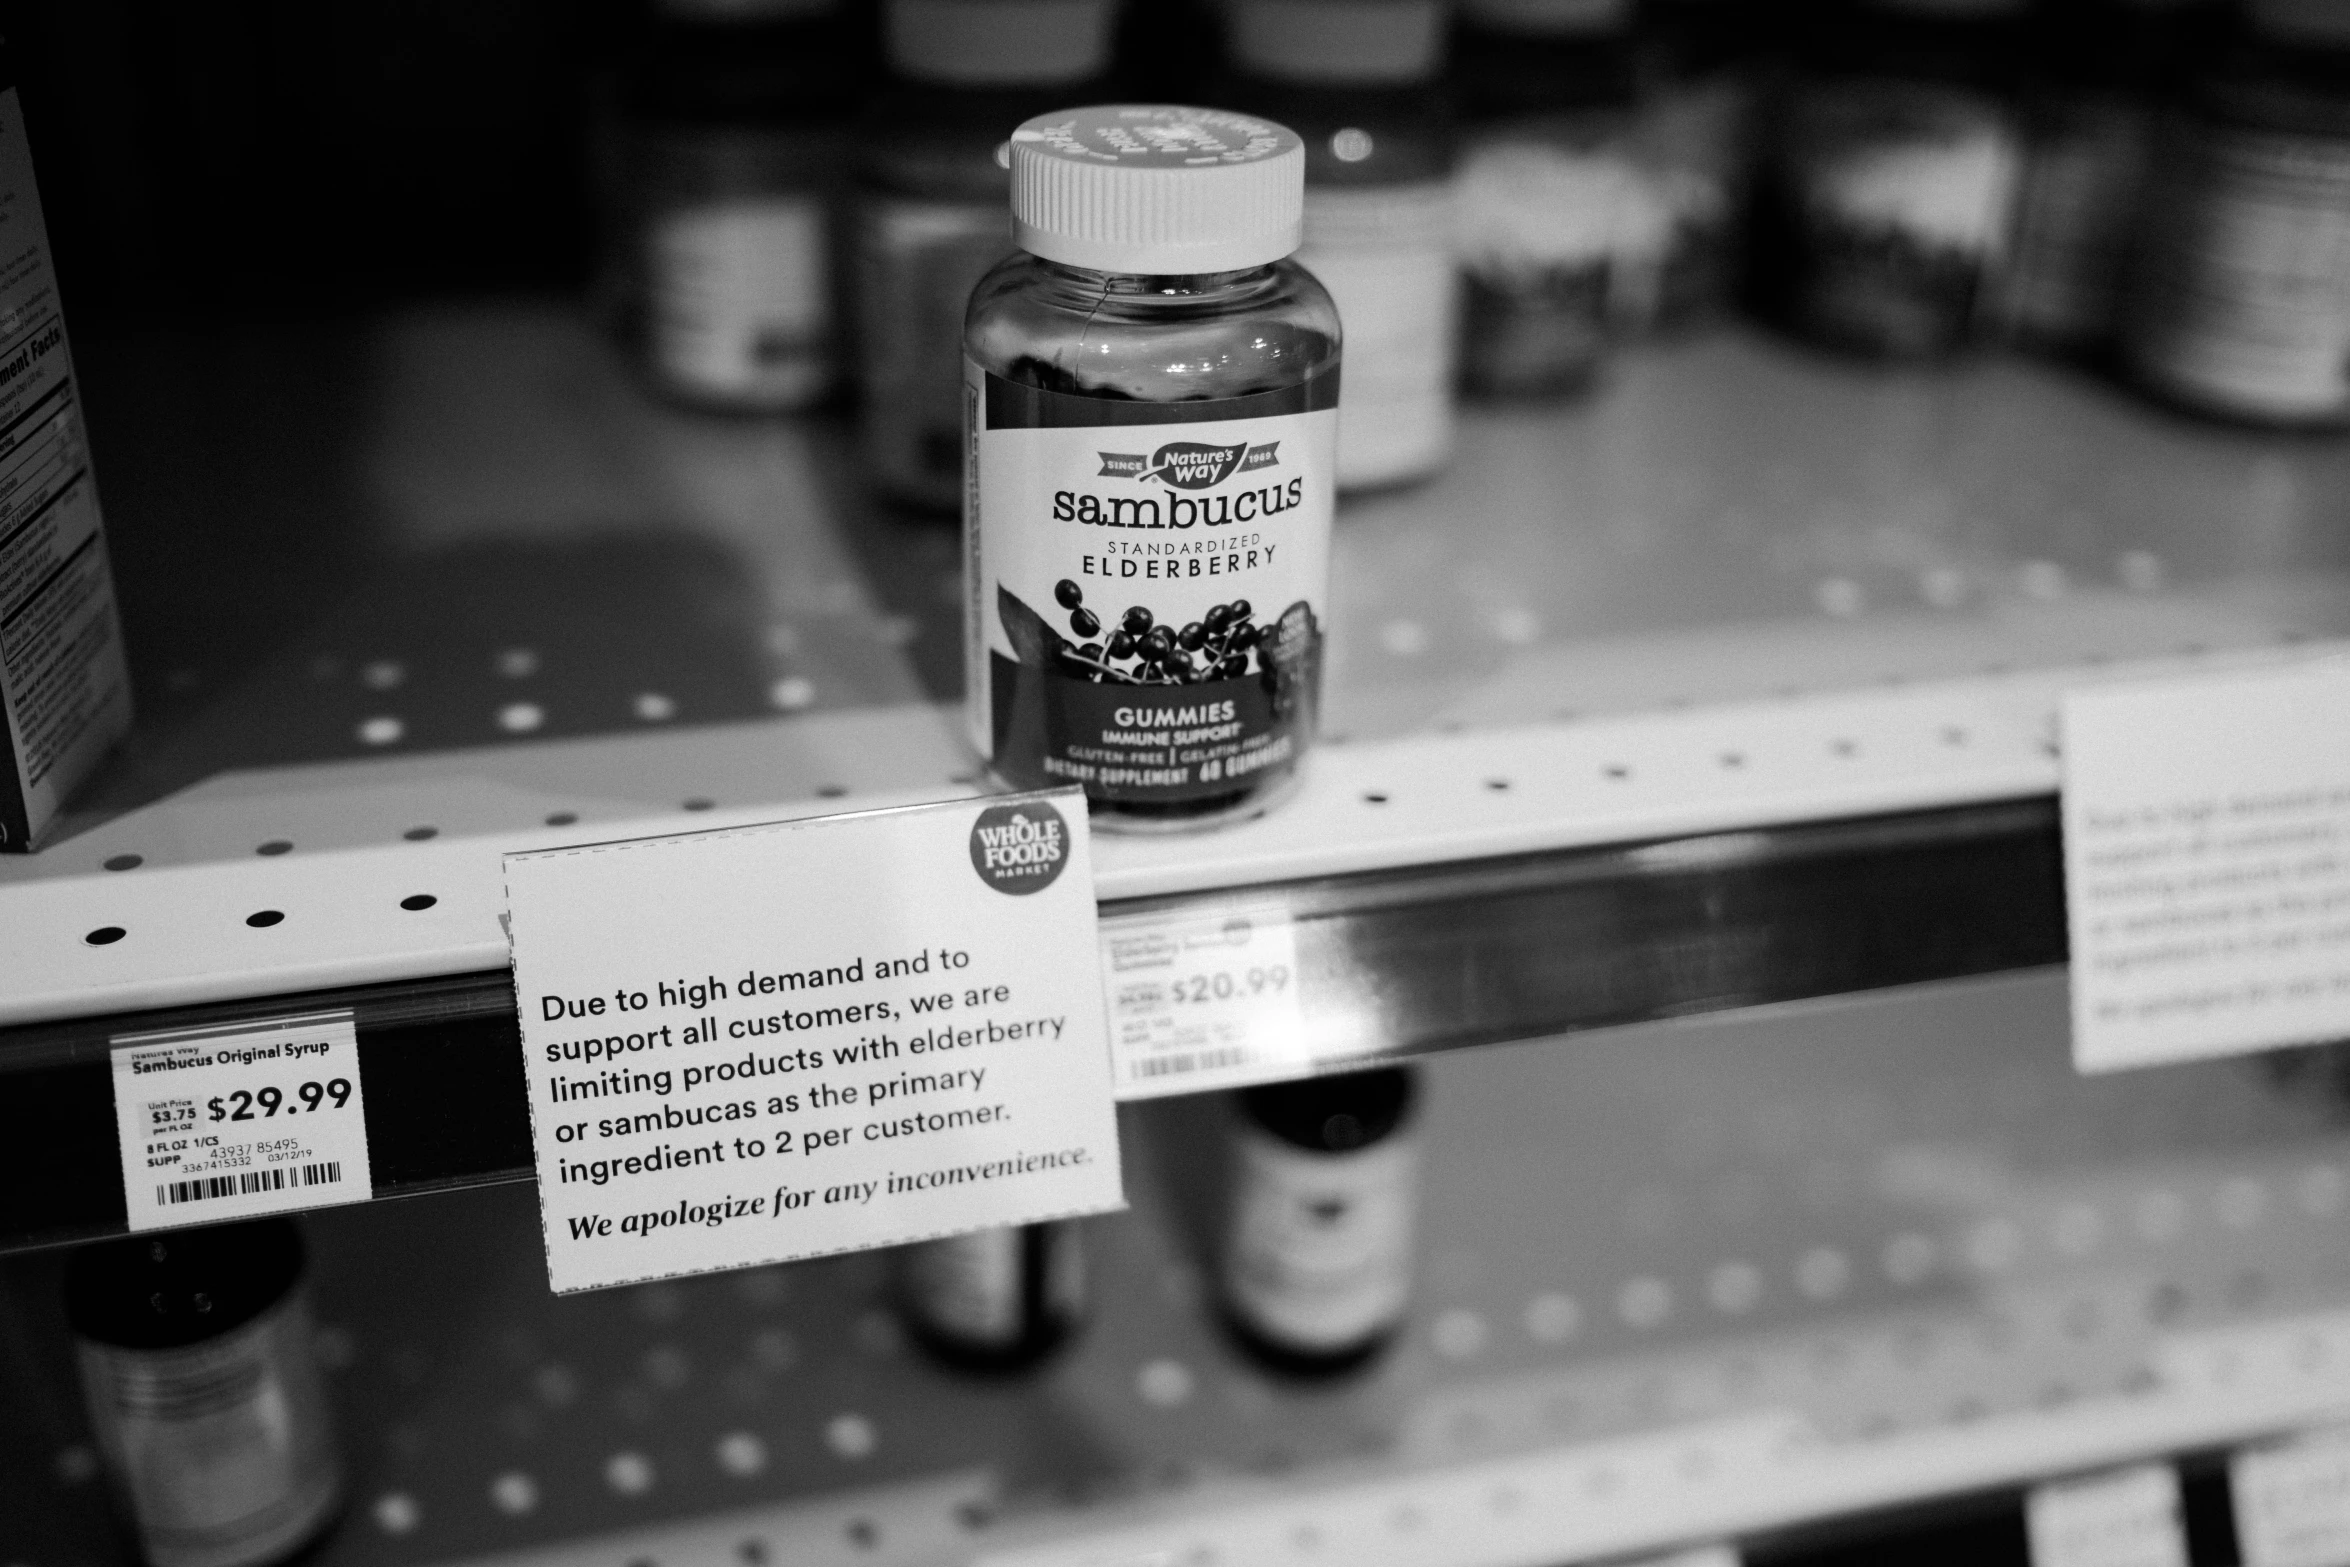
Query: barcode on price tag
(240, 1119)
(1202, 999)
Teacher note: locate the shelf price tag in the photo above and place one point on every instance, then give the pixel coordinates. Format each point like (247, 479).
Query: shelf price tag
(1203, 999)
(240, 1119)
(2126, 1518)
(760, 1044)
(2207, 865)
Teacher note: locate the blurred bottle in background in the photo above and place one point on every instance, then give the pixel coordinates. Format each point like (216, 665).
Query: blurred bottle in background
(1358, 80)
(1324, 1199)
(933, 207)
(734, 135)
(1548, 192)
(203, 1391)
(2241, 306)
(994, 1300)
(2102, 72)
(1704, 68)
(1887, 196)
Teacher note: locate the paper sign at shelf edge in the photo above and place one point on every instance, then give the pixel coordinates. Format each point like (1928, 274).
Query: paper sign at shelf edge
(2136, 759)
(875, 873)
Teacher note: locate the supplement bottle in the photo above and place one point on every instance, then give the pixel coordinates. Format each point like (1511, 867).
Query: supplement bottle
(203, 1393)
(1704, 68)
(1888, 197)
(1317, 1261)
(1152, 402)
(994, 1300)
(2242, 306)
(1358, 81)
(736, 134)
(1551, 203)
(2106, 70)
(933, 176)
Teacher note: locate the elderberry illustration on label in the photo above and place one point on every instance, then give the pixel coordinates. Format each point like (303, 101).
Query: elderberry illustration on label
(1148, 583)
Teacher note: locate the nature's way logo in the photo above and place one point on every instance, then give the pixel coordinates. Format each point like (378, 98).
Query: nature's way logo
(1190, 465)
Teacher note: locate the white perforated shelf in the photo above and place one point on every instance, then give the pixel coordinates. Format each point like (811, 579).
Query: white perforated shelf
(365, 841)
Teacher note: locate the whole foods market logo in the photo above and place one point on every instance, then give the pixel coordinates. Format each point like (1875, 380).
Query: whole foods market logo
(1019, 849)
(1190, 465)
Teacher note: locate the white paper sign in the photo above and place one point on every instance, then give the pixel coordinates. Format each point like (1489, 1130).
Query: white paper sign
(1202, 999)
(2292, 1503)
(767, 1043)
(2128, 1518)
(2207, 865)
(240, 1119)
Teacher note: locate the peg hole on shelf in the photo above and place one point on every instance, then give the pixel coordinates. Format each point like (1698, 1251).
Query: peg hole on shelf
(698, 803)
(1374, 797)
(1617, 771)
(1498, 785)
(1954, 735)
(562, 818)
(418, 902)
(753, 1553)
(830, 791)
(419, 834)
(125, 862)
(864, 1534)
(262, 919)
(1845, 747)
(274, 846)
(105, 935)
(1733, 760)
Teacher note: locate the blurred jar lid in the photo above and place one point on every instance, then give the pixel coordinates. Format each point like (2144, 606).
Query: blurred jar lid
(2325, 22)
(1552, 18)
(998, 43)
(1339, 41)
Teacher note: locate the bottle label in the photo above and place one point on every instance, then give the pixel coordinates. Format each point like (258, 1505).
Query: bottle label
(222, 1448)
(1385, 254)
(1146, 585)
(740, 300)
(967, 1288)
(2084, 176)
(1319, 1253)
(2248, 299)
(917, 263)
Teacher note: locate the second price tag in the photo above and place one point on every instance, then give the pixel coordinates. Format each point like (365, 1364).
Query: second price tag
(1203, 999)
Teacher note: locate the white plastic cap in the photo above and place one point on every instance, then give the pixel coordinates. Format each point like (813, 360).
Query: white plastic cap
(1350, 41)
(1549, 17)
(998, 43)
(2309, 21)
(1157, 189)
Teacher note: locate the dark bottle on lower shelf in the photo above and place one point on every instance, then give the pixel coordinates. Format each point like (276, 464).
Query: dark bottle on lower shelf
(1317, 1258)
(995, 1300)
(197, 1363)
